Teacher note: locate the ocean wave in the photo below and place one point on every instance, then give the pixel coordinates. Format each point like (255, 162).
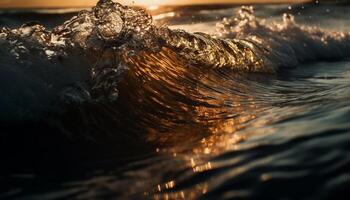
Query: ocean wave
(111, 104)
(84, 60)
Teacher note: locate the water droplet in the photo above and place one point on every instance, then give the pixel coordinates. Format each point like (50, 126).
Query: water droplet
(111, 26)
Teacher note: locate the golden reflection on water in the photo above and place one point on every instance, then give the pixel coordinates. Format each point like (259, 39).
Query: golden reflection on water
(194, 113)
(184, 194)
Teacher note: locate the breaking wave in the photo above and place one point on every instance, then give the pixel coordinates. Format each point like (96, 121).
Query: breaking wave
(87, 60)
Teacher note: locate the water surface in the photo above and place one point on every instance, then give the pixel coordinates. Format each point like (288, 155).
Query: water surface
(260, 126)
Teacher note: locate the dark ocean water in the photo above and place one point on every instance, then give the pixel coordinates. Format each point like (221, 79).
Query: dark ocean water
(185, 120)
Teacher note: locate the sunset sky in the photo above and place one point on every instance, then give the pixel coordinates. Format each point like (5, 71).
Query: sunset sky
(88, 3)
